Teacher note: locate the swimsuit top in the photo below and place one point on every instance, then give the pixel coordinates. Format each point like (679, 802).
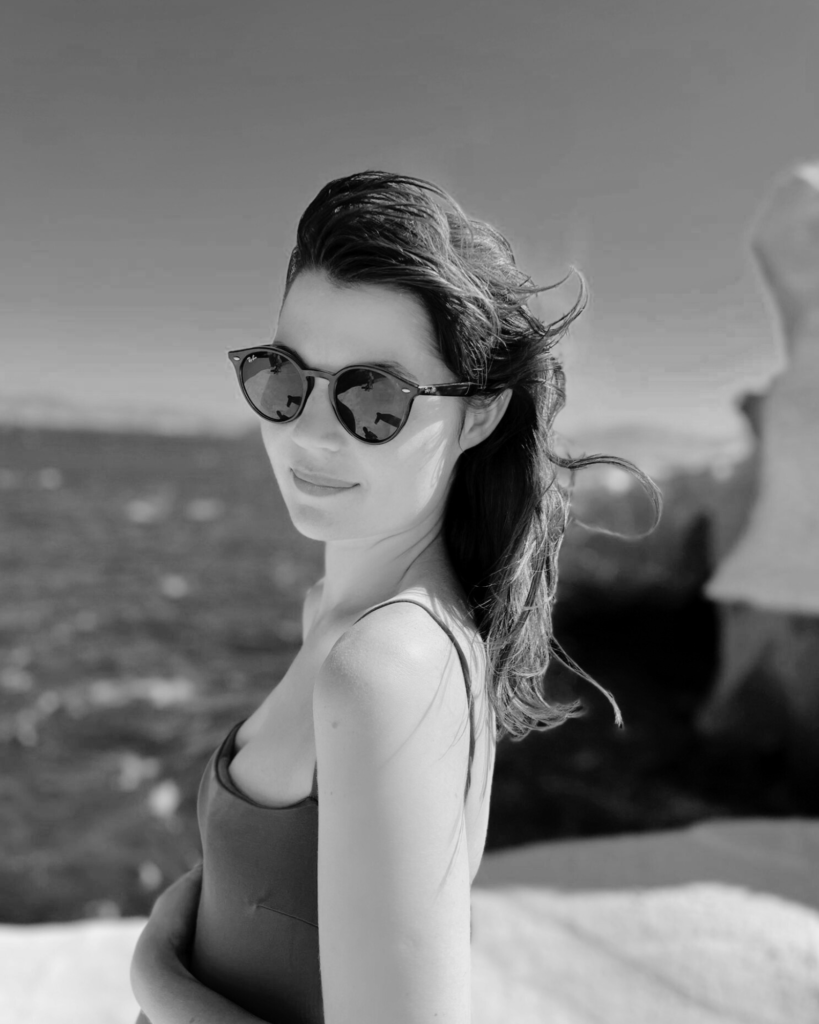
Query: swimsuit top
(256, 939)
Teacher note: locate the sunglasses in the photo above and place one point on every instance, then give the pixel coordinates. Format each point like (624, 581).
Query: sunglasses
(371, 403)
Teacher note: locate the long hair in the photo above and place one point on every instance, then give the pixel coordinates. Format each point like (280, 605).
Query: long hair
(506, 511)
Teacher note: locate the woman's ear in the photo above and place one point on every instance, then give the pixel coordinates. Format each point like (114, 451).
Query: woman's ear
(480, 420)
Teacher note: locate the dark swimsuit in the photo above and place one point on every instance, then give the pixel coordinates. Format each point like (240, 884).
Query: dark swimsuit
(257, 939)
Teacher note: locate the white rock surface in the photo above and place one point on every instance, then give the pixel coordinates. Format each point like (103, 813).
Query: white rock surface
(699, 954)
(74, 973)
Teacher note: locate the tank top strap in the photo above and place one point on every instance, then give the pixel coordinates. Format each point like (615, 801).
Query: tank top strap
(464, 669)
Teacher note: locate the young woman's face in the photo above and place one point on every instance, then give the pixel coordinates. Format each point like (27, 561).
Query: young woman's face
(384, 489)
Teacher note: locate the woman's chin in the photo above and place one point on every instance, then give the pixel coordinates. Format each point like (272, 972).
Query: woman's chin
(318, 524)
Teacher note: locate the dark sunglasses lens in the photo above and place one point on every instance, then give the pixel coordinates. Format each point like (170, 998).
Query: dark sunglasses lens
(372, 405)
(273, 384)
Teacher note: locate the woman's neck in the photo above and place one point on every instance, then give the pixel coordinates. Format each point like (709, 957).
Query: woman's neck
(358, 574)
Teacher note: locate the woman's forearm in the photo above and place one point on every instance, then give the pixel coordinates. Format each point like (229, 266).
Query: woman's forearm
(175, 996)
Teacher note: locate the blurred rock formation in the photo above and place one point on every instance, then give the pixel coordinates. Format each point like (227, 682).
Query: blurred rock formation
(766, 584)
(740, 523)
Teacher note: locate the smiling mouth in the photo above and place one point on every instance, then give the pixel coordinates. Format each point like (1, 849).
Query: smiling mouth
(323, 481)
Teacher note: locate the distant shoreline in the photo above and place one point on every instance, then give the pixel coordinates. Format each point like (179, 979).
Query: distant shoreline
(657, 448)
(59, 414)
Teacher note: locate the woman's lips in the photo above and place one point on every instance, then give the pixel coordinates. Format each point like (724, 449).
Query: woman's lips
(320, 485)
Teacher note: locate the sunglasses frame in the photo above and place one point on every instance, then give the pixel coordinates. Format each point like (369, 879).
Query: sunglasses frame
(308, 376)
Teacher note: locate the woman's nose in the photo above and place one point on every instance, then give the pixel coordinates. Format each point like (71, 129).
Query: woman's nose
(317, 424)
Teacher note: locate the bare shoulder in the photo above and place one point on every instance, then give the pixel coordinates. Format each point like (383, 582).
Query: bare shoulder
(390, 705)
(397, 656)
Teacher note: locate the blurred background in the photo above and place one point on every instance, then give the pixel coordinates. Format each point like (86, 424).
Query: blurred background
(156, 158)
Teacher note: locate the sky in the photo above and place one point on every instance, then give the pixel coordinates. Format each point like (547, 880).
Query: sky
(156, 157)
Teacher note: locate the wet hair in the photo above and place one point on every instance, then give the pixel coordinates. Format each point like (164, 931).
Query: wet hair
(506, 511)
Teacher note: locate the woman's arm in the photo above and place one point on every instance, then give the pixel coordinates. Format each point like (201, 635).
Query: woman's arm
(392, 739)
(160, 978)
(176, 997)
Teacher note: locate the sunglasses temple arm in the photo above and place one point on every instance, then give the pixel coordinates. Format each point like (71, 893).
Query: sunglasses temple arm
(450, 389)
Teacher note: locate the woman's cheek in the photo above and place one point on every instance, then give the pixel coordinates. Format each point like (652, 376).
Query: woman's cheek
(413, 479)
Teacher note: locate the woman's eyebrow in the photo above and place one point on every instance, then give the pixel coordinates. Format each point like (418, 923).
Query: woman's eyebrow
(384, 364)
(388, 364)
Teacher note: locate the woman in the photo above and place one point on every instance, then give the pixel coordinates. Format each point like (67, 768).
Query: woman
(407, 404)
